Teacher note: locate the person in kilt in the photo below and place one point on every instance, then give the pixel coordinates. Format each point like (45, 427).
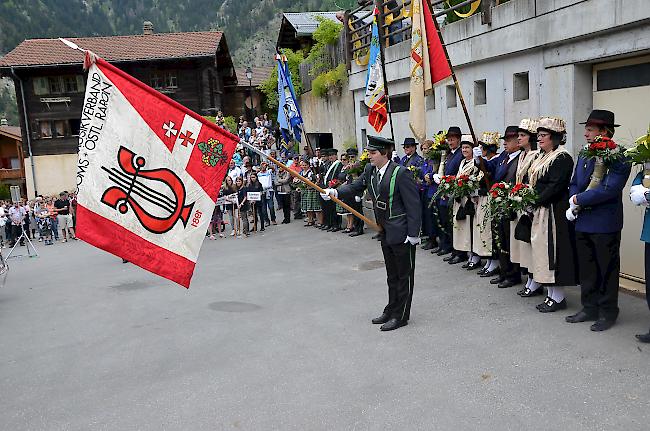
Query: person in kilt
(309, 198)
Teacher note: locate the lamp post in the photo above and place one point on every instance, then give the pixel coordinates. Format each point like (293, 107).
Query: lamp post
(249, 76)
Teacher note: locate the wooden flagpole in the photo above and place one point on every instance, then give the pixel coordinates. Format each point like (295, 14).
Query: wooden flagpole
(313, 185)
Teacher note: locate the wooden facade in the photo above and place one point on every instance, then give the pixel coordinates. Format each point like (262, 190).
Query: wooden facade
(12, 163)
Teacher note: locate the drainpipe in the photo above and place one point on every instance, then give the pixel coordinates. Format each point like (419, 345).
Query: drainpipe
(28, 135)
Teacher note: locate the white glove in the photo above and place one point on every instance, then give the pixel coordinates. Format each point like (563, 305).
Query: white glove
(637, 195)
(572, 205)
(436, 178)
(414, 240)
(357, 198)
(570, 215)
(393, 155)
(477, 152)
(328, 193)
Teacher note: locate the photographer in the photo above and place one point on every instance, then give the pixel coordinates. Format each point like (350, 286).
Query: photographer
(17, 216)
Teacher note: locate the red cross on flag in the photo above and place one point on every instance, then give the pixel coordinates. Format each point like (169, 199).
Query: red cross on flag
(148, 175)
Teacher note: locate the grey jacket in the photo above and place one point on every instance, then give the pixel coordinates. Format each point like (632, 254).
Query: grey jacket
(283, 182)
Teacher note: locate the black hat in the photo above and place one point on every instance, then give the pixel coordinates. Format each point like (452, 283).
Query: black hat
(379, 143)
(454, 131)
(352, 152)
(511, 132)
(601, 117)
(332, 151)
(409, 142)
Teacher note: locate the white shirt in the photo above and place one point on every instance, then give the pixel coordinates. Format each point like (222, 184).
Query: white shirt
(235, 172)
(513, 155)
(380, 172)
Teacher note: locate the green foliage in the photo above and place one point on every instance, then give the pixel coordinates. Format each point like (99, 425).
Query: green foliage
(330, 82)
(270, 87)
(5, 192)
(231, 124)
(327, 34)
(349, 143)
(8, 106)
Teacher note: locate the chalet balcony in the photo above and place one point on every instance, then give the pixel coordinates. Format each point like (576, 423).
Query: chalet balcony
(12, 174)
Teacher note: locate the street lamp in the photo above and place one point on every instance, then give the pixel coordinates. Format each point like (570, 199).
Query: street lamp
(249, 76)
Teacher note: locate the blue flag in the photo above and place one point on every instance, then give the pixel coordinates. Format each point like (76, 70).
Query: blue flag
(289, 116)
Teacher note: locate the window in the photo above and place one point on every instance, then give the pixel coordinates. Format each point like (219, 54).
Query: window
(41, 86)
(56, 84)
(480, 92)
(75, 124)
(363, 109)
(170, 80)
(451, 97)
(73, 83)
(15, 163)
(46, 129)
(59, 128)
(400, 103)
(520, 86)
(156, 80)
(430, 102)
(637, 75)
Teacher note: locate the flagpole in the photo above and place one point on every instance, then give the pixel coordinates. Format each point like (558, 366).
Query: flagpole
(453, 74)
(380, 29)
(313, 185)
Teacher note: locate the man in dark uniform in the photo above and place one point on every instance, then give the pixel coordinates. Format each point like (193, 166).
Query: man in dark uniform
(357, 202)
(452, 163)
(331, 219)
(598, 215)
(396, 204)
(320, 166)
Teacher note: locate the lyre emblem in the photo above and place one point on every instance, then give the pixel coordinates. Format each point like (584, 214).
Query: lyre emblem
(130, 183)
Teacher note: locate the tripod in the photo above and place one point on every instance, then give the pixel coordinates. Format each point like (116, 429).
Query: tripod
(21, 237)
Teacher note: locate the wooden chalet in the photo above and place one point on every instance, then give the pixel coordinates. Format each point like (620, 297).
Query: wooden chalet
(12, 163)
(193, 68)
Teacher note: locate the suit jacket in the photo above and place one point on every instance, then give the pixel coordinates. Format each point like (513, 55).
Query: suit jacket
(334, 172)
(494, 163)
(506, 171)
(400, 220)
(645, 233)
(601, 209)
(414, 160)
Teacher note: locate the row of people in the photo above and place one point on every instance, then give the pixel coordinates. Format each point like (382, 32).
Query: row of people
(570, 236)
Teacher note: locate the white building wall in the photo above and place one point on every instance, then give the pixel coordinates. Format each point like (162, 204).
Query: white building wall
(556, 41)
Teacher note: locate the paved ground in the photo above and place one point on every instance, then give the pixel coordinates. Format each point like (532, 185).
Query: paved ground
(275, 335)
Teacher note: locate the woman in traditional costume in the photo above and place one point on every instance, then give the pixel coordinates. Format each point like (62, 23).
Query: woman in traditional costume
(482, 241)
(464, 208)
(309, 198)
(553, 262)
(520, 246)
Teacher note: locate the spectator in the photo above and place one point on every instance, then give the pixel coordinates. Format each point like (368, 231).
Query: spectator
(234, 171)
(44, 222)
(258, 207)
(242, 205)
(283, 189)
(64, 216)
(229, 188)
(265, 176)
(17, 216)
(54, 217)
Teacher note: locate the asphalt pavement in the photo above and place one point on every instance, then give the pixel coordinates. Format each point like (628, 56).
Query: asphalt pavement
(275, 334)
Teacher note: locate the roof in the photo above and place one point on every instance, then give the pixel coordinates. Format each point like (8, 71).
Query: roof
(12, 132)
(42, 52)
(305, 23)
(260, 74)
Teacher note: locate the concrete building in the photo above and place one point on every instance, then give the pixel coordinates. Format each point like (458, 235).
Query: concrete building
(537, 57)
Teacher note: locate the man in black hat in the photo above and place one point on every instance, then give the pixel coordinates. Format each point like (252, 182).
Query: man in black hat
(357, 202)
(597, 209)
(397, 210)
(411, 157)
(504, 169)
(452, 163)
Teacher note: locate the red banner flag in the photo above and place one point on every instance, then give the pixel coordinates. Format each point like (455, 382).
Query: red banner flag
(438, 64)
(148, 175)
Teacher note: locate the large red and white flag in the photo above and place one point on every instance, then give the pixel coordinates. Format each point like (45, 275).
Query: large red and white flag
(148, 175)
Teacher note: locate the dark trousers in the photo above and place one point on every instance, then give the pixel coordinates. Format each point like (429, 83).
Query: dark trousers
(358, 223)
(284, 201)
(599, 263)
(428, 222)
(295, 203)
(445, 228)
(329, 214)
(647, 272)
(16, 231)
(400, 272)
(507, 269)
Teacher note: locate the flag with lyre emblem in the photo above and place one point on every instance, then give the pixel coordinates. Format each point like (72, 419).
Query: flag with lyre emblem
(148, 175)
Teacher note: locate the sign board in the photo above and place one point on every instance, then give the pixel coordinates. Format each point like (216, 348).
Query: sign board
(15, 193)
(55, 99)
(254, 196)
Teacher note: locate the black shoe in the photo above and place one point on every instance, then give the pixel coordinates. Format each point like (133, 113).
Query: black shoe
(506, 283)
(457, 259)
(393, 324)
(376, 236)
(644, 338)
(430, 245)
(353, 234)
(323, 227)
(466, 264)
(580, 316)
(552, 306)
(381, 319)
(497, 280)
(543, 304)
(602, 324)
(473, 266)
(443, 252)
(336, 229)
(448, 258)
(481, 271)
(492, 273)
(435, 250)
(527, 293)
(286, 221)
